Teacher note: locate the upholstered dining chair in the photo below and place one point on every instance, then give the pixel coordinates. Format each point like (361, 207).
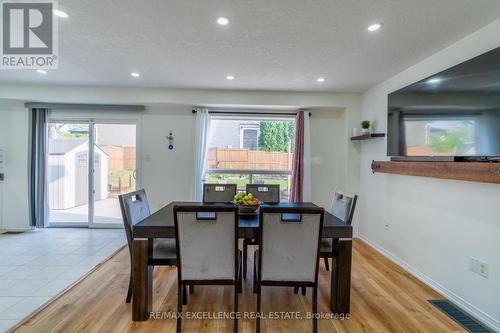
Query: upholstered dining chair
(207, 250)
(343, 206)
(135, 208)
(289, 251)
(269, 194)
(218, 193)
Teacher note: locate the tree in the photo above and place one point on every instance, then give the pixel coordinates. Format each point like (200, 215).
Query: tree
(276, 135)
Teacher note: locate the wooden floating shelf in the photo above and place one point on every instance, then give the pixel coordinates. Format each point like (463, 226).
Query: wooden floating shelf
(367, 136)
(467, 171)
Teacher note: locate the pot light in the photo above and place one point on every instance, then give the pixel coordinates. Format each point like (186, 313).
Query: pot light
(320, 79)
(135, 74)
(222, 20)
(434, 80)
(60, 13)
(229, 77)
(41, 71)
(374, 27)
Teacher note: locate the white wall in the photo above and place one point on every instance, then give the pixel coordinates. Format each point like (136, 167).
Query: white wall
(166, 175)
(435, 225)
(14, 140)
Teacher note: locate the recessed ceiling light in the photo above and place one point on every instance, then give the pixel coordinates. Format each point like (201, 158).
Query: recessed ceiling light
(320, 79)
(60, 13)
(374, 27)
(229, 77)
(41, 71)
(222, 20)
(135, 74)
(434, 80)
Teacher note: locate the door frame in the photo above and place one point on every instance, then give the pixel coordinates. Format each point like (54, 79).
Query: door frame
(92, 122)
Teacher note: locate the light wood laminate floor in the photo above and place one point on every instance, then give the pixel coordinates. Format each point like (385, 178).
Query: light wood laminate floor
(384, 298)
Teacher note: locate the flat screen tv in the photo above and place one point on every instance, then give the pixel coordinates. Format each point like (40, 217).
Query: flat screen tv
(453, 114)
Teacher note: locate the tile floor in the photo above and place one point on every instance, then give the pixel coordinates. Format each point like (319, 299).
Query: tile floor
(35, 266)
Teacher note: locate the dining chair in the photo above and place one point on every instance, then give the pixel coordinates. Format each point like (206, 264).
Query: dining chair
(343, 206)
(269, 194)
(135, 208)
(207, 250)
(218, 193)
(289, 251)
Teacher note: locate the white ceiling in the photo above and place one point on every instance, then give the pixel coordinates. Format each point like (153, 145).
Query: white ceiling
(269, 44)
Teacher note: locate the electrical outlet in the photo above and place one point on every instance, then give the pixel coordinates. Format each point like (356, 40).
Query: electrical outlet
(473, 264)
(479, 267)
(483, 269)
(387, 226)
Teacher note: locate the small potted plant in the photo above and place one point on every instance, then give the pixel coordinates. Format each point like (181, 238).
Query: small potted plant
(365, 127)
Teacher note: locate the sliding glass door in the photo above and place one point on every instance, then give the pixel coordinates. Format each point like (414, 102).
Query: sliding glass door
(89, 163)
(115, 169)
(68, 173)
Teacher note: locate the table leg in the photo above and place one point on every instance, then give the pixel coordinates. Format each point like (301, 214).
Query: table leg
(142, 281)
(340, 289)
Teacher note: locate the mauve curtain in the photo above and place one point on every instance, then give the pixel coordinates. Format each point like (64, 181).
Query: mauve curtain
(37, 181)
(200, 154)
(301, 168)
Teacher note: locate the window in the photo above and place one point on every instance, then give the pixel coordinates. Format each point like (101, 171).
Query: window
(263, 156)
(249, 139)
(82, 160)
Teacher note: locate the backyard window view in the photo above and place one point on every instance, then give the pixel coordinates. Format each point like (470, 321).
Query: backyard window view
(68, 169)
(249, 151)
(440, 137)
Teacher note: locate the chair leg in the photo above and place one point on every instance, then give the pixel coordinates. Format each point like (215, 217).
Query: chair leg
(184, 295)
(235, 306)
(245, 257)
(129, 292)
(179, 307)
(327, 266)
(303, 290)
(295, 290)
(240, 280)
(254, 276)
(257, 323)
(191, 289)
(315, 308)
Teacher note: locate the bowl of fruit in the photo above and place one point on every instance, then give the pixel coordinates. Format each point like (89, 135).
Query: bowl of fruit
(247, 203)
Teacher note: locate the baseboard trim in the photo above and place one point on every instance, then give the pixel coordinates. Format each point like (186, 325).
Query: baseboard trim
(7, 229)
(483, 317)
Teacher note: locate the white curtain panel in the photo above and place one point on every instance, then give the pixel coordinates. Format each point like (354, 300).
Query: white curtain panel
(200, 153)
(306, 182)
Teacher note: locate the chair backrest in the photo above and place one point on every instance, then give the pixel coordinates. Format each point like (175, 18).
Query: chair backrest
(266, 193)
(218, 193)
(289, 249)
(135, 208)
(207, 242)
(343, 206)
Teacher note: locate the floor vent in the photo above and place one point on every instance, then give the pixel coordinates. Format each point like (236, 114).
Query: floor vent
(460, 317)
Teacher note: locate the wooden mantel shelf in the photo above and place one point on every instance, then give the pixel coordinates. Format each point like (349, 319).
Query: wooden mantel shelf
(468, 171)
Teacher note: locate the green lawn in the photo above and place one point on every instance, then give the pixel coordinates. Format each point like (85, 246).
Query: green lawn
(114, 176)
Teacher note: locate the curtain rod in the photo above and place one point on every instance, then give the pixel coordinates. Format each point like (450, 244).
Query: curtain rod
(80, 106)
(254, 113)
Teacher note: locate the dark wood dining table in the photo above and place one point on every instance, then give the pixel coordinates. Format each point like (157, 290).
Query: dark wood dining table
(161, 225)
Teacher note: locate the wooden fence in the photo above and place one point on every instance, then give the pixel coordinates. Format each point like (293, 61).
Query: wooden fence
(121, 158)
(244, 159)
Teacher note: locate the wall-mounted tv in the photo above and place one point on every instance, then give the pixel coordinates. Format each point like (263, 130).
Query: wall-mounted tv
(454, 114)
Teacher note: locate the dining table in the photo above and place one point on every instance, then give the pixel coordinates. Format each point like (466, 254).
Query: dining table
(161, 225)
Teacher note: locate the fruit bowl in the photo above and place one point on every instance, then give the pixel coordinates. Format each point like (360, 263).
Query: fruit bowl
(246, 203)
(247, 209)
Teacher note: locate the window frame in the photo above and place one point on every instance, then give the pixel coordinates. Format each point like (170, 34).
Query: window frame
(252, 172)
